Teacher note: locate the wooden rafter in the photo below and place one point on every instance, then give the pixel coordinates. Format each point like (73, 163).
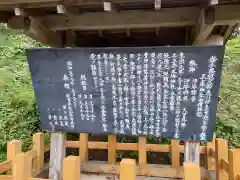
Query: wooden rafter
(204, 26)
(110, 7)
(157, 4)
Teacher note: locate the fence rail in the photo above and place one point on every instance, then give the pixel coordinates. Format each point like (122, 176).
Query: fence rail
(223, 162)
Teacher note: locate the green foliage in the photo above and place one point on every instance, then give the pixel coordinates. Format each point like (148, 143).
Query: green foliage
(228, 117)
(18, 116)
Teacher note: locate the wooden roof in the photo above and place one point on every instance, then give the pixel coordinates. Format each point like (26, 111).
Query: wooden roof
(121, 22)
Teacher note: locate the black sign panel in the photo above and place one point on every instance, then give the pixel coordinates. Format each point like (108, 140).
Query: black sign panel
(167, 92)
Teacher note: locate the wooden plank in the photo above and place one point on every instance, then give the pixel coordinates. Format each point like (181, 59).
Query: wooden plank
(128, 169)
(112, 149)
(211, 161)
(57, 154)
(6, 177)
(21, 167)
(175, 154)
(84, 147)
(142, 151)
(130, 146)
(234, 162)
(169, 17)
(191, 171)
(222, 154)
(204, 25)
(149, 170)
(38, 145)
(71, 168)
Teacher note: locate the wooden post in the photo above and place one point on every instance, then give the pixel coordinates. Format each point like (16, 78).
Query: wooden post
(38, 145)
(142, 151)
(221, 154)
(192, 152)
(14, 147)
(71, 168)
(191, 171)
(57, 154)
(112, 149)
(84, 147)
(21, 167)
(175, 153)
(211, 161)
(192, 148)
(128, 169)
(234, 163)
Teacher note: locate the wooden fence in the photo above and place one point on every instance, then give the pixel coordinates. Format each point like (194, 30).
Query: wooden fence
(221, 161)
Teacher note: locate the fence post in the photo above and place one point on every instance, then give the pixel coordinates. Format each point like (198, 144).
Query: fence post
(14, 147)
(21, 167)
(112, 149)
(142, 151)
(38, 145)
(211, 161)
(221, 154)
(234, 163)
(191, 171)
(128, 169)
(84, 147)
(175, 153)
(71, 168)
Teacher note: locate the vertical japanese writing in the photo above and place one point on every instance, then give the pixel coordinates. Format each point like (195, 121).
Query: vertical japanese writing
(166, 67)
(159, 93)
(65, 116)
(145, 92)
(120, 93)
(133, 93)
(94, 70)
(194, 90)
(152, 93)
(69, 98)
(208, 95)
(102, 96)
(126, 91)
(173, 81)
(105, 58)
(185, 89)
(114, 92)
(139, 92)
(201, 95)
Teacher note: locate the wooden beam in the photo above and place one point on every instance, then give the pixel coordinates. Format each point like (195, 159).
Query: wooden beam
(169, 17)
(157, 4)
(228, 33)
(205, 25)
(110, 7)
(172, 17)
(36, 30)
